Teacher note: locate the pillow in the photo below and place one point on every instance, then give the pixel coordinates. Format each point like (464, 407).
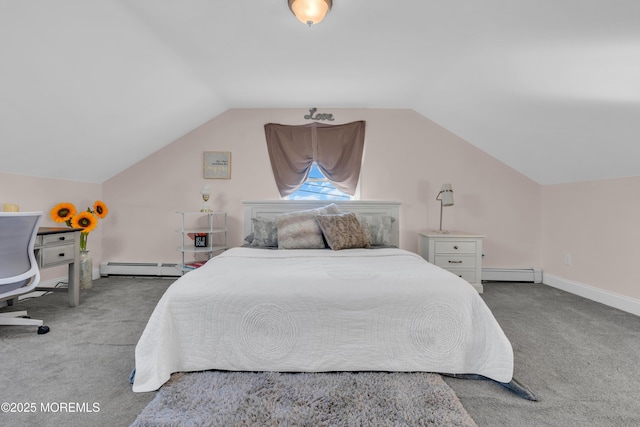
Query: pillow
(343, 231)
(378, 229)
(265, 232)
(300, 230)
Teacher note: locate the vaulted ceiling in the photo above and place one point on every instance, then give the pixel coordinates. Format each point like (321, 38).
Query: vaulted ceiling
(551, 88)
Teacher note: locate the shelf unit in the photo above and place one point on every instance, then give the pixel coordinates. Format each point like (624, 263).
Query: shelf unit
(211, 226)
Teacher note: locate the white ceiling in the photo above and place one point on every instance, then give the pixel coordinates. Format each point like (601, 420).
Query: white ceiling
(551, 88)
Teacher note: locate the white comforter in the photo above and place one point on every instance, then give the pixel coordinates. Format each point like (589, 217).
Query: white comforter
(321, 310)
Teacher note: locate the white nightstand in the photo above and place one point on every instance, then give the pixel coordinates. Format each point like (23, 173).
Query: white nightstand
(456, 251)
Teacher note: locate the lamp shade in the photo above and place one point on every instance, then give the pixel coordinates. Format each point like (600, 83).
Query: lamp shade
(446, 195)
(310, 11)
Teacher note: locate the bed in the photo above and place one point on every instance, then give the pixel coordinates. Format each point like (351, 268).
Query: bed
(267, 308)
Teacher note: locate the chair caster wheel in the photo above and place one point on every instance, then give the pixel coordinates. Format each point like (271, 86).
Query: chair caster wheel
(43, 330)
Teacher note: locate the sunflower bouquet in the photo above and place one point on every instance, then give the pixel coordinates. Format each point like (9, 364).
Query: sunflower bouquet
(87, 220)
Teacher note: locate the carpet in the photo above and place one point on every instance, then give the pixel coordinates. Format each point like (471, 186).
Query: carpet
(220, 398)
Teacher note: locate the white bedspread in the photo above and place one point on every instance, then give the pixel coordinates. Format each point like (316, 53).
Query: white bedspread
(321, 310)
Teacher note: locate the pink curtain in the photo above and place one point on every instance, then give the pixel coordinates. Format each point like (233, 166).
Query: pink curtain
(337, 149)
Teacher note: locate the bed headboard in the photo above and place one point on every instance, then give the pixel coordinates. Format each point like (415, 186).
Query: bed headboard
(273, 208)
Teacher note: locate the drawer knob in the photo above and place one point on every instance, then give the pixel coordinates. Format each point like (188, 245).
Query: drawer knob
(61, 254)
(455, 262)
(61, 238)
(455, 247)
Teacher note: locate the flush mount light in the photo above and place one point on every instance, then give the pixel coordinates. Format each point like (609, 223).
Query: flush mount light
(310, 11)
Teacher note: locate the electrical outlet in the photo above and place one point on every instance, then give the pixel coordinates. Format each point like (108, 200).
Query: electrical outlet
(567, 259)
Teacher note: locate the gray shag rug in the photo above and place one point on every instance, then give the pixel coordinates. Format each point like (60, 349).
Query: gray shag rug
(220, 398)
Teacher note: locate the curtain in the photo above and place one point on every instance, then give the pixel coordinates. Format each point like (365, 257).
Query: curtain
(337, 150)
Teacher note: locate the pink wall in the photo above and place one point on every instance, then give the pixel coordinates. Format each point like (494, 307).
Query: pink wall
(407, 157)
(596, 223)
(42, 194)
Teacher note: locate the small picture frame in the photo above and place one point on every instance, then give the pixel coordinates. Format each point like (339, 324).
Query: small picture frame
(217, 164)
(200, 240)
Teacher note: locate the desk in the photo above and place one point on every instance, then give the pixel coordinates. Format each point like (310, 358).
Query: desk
(58, 246)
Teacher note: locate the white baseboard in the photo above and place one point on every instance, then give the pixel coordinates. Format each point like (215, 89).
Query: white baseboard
(533, 275)
(621, 302)
(139, 269)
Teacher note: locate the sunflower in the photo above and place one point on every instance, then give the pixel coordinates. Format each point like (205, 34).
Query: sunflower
(100, 209)
(63, 212)
(85, 220)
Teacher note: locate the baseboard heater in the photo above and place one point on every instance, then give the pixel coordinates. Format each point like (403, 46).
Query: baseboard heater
(138, 269)
(532, 275)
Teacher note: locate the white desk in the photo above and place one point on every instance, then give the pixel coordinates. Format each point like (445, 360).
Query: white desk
(59, 246)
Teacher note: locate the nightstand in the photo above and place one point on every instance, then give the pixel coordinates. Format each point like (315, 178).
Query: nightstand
(456, 251)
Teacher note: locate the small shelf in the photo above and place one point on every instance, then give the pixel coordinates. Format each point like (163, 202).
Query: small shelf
(210, 231)
(202, 250)
(202, 230)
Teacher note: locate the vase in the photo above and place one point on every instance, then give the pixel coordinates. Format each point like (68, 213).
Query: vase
(86, 270)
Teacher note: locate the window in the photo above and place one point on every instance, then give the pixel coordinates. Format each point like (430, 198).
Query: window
(318, 187)
(335, 151)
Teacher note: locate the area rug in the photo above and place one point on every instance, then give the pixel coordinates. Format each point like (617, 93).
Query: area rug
(220, 398)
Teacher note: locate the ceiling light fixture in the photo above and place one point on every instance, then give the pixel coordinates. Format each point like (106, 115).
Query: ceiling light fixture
(310, 11)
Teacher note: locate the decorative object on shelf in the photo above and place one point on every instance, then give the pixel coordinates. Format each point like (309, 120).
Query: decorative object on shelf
(194, 265)
(86, 270)
(200, 240)
(217, 164)
(87, 220)
(310, 11)
(10, 207)
(446, 199)
(319, 116)
(206, 193)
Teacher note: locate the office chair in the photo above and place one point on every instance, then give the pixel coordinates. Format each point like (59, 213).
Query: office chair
(19, 272)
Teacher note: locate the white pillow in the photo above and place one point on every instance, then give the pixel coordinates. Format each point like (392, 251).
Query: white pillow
(300, 230)
(379, 229)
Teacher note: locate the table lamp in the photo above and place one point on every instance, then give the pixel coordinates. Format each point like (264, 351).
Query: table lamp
(446, 199)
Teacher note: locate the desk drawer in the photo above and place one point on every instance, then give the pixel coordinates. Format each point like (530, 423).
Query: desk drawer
(51, 239)
(57, 254)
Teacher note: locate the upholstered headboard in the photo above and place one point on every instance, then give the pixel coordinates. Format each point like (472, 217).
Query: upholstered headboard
(273, 208)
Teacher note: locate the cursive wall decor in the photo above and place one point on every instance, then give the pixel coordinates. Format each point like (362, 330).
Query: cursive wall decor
(319, 116)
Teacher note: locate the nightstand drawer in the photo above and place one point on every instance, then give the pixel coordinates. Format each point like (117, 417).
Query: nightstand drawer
(455, 247)
(468, 275)
(454, 261)
(57, 254)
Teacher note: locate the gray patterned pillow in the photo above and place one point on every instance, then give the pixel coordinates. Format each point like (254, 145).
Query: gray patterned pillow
(265, 232)
(300, 230)
(378, 229)
(343, 231)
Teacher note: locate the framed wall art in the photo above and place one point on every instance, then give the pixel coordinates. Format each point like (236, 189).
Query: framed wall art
(217, 164)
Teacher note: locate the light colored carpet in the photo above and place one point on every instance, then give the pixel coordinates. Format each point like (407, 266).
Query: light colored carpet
(217, 398)
(578, 356)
